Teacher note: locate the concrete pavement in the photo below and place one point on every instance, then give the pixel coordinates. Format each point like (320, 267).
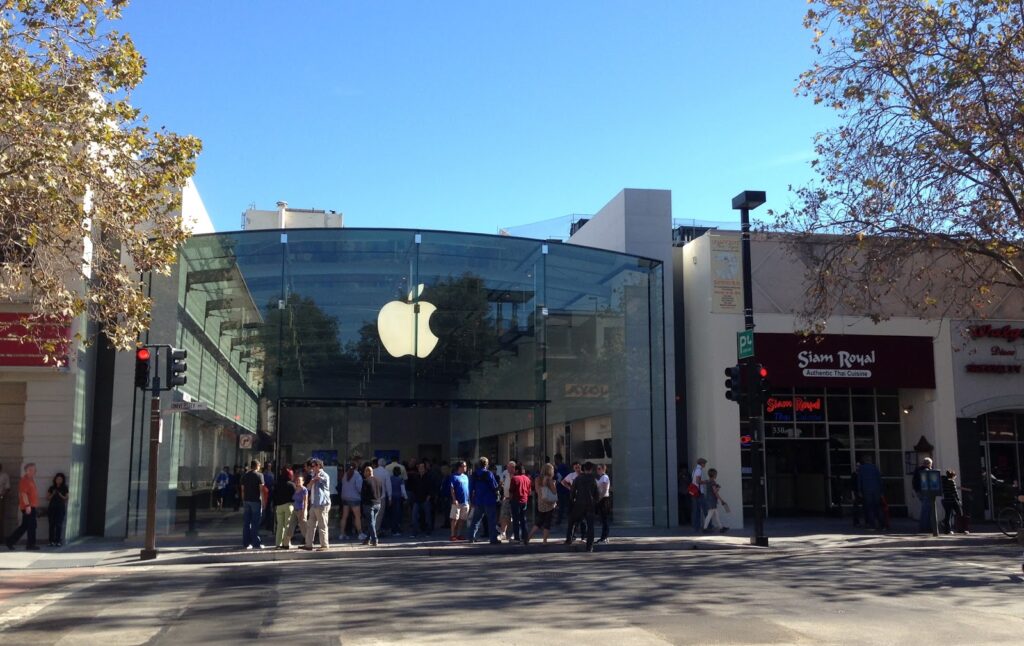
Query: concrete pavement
(958, 592)
(219, 537)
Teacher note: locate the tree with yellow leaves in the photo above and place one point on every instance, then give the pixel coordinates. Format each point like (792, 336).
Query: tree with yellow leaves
(920, 189)
(89, 194)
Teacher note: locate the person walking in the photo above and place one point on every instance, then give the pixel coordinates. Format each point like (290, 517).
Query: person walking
(483, 492)
(28, 502)
(567, 481)
(714, 497)
(951, 504)
(583, 502)
(520, 489)
(458, 496)
(57, 511)
(220, 488)
(924, 518)
(252, 500)
(604, 503)
(699, 506)
(505, 509)
(350, 490)
(284, 506)
(869, 479)
(319, 506)
(371, 496)
(298, 518)
(384, 477)
(547, 500)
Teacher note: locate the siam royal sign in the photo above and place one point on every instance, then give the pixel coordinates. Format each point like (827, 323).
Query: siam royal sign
(855, 361)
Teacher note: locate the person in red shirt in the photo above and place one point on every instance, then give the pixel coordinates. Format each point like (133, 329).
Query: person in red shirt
(28, 500)
(519, 490)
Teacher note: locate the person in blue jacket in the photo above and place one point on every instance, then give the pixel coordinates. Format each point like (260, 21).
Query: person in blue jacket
(483, 495)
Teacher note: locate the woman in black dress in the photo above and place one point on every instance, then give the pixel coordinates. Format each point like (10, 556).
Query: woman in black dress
(57, 494)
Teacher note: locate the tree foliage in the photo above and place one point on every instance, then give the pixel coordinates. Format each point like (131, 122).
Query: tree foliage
(922, 182)
(89, 193)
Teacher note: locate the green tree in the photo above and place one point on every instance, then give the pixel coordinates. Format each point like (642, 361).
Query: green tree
(922, 182)
(89, 194)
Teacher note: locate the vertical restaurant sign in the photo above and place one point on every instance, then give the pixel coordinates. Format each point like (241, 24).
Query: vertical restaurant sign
(726, 275)
(847, 360)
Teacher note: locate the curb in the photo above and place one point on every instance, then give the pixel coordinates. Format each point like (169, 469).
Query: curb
(445, 550)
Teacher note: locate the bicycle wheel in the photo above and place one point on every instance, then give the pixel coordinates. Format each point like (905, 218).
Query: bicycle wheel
(1010, 521)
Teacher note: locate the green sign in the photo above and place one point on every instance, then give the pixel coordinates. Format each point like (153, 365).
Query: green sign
(744, 344)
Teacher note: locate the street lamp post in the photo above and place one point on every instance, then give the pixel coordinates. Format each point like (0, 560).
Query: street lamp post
(745, 202)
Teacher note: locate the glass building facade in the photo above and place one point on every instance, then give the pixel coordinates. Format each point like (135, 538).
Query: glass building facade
(349, 344)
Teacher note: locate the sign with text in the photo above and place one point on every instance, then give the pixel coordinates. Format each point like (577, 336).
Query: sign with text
(181, 407)
(744, 344)
(726, 275)
(850, 360)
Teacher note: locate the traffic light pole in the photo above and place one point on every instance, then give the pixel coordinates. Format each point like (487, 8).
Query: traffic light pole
(754, 404)
(149, 550)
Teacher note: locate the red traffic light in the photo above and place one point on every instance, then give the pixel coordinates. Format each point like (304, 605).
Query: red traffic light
(142, 354)
(764, 372)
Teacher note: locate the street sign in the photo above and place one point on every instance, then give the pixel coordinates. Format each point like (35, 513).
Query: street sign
(744, 344)
(181, 407)
(246, 441)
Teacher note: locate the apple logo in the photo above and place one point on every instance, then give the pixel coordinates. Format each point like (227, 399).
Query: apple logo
(404, 328)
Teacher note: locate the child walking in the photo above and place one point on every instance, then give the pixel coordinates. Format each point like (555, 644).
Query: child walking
(713, 497)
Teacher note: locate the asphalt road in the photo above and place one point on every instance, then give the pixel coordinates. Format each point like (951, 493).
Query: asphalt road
(840, 596)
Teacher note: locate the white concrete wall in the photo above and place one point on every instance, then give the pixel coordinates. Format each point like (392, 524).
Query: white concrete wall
(639, 222)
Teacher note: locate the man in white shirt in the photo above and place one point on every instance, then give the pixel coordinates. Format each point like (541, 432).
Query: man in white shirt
(604, 501)
(697, 504)
(382, 474)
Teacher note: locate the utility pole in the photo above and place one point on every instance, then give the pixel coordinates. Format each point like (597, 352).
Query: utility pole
(745, 202)
(149, 549)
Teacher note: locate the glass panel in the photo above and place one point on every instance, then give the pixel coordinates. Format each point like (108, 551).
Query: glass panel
(889, 436)
(838, 408)
(863, 409)
(840, 461)
(890, 463)
(863, 436)
(810, 430)
(1000, 427)
(888, 409)
(809, 408)
(779, 408)
(839, 435)
(603, 379)
(778, 430)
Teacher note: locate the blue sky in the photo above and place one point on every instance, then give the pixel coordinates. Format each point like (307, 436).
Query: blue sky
(475, 115)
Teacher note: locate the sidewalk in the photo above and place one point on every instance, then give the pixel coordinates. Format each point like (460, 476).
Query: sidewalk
(220, 534)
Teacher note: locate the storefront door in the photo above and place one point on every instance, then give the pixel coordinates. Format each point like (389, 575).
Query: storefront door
(797, 476)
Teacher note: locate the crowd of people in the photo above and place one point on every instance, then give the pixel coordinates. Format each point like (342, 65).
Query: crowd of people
(417, 498)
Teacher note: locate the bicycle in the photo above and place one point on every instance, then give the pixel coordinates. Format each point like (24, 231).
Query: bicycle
(1011, 519)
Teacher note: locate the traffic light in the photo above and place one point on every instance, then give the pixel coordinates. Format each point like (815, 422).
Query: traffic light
(142, 356)
(763, 386)
(734, 384)
(176, 367)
